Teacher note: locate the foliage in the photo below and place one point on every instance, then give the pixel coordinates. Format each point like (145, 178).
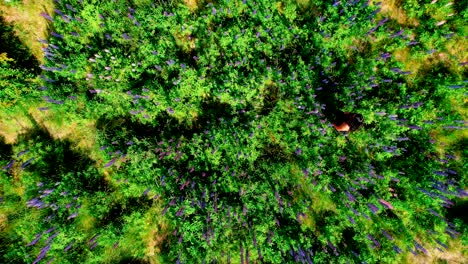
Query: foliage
(215, 140)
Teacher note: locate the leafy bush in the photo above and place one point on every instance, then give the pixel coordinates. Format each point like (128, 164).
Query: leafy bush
(215, 137)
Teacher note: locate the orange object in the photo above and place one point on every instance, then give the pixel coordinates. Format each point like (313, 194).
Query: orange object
(342, 128)
(346, 121)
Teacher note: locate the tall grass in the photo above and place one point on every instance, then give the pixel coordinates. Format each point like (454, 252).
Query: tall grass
(28, 23)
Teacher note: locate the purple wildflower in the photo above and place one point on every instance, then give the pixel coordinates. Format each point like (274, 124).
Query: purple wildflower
(110, 163)
(420, 247)
(93, 245)
(38, 237)
(298, 151)
(9, 165)
(68, 247)
(69, 7)
(54, 46)
(180, 212)
(351, 198)
(60, 13)
(75, 214)
(385, 203)
(387, 234)
(52, 237)
(373, 208)
(56, 35)
(397, 249)
(371, 238)
(397, 34)
(47, 16)
(93, 239)
(442, 244)
(24, 165)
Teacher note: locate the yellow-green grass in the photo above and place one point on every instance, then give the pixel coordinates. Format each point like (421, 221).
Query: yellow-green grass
(444, 138)
(28, 23)
(454, 52)
(321, 202)
(439, 11)
(457, 253)
(60, 124)
(392, 9)
(191, 4)
(143, 239)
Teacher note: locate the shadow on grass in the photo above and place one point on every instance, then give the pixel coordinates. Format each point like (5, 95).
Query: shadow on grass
(166, 126)
(6, 150)
(12, 46)
(61, 163)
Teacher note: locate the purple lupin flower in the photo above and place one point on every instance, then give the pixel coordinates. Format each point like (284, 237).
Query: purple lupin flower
(9, 165)
(36, 239)
(170, 62)
(56, 35)
(58, 12)
(75, 214)
(24, 165)
(386, 234)
(52, 237)
(412, 43)
(373, 208)
(39, 257)
(50, 230)
(47, 16)
(333, 247)
(386, 204)
(180, 212)
(69, 246)
(298, 151)
(93, 245)
(442, 244)
(93, 239)
(371, 238)
(397, 249)
(71, 8)
(351, 198)
(242, 254)
(420, 247)
(110, 163)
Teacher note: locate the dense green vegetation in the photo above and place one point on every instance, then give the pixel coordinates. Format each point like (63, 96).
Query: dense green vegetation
(159, 133)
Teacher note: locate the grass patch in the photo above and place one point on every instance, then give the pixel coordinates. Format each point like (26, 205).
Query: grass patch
(28, 23)
(59, 124)
(191, 4)
(456, 254)
(392, 9)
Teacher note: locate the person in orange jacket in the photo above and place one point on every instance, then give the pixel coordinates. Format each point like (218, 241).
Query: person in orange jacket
(347, 122)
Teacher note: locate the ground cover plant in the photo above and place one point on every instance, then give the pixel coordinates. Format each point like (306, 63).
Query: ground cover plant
(201, 132)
